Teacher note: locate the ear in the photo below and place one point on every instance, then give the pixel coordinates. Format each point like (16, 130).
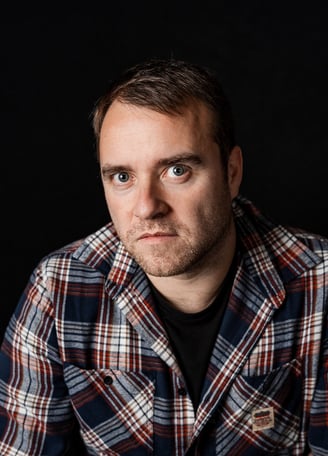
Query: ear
(235, 170)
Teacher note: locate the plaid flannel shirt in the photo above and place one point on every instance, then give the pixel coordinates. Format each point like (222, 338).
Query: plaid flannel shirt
(86, 359)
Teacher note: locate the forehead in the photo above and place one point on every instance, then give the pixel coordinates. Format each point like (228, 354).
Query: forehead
(138, 125)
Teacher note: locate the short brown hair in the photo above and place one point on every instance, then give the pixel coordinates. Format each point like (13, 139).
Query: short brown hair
(168, 86)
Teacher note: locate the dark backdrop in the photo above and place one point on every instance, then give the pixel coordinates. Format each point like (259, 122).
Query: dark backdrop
(272, 61)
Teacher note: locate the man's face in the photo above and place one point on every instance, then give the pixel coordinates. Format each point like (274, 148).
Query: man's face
(166, 190)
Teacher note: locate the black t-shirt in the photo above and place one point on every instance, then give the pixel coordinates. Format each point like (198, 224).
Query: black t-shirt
(193, 335)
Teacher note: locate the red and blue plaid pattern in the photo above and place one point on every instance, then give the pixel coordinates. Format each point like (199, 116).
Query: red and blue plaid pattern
(85, 356)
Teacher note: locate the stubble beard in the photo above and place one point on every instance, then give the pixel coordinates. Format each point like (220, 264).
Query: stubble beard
(185, 254)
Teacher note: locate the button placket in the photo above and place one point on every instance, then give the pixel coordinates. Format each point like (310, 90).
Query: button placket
(181, 389)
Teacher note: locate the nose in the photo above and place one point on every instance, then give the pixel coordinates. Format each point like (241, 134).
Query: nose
(149, 202)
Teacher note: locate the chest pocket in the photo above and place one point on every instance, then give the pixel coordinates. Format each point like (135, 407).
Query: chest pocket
(264, 410)
(114, 409)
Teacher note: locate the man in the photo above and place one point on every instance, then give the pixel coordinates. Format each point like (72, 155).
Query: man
(189, 325)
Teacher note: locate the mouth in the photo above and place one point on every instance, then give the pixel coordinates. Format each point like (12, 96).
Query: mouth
(156, 236)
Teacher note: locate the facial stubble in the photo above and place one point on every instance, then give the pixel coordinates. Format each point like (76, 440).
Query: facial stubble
(189, 250)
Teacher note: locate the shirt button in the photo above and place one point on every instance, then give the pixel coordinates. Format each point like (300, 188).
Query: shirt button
(182, 391)
(108, 380)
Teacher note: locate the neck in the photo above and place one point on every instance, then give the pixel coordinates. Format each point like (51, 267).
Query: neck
(196, 289)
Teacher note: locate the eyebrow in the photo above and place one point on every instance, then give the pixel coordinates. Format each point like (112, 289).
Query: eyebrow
(187, 157)
(108, 170)
(184, 157)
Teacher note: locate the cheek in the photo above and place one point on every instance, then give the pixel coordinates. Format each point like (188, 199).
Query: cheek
(212, 200)
(116, 213)
(113, 202)
(205, 197)
(194, 210)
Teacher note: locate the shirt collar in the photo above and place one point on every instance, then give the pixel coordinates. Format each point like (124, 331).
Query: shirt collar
(272, 254)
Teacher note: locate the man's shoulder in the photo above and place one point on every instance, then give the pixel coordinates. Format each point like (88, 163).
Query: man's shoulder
(315, 241)
(94, 251)
(254, 221)
(270, 246)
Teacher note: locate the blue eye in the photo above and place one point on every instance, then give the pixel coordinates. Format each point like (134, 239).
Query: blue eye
(122, 177)
(178, 170)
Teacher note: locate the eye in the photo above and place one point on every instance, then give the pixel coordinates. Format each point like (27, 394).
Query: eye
(177, 171)
(121, 177)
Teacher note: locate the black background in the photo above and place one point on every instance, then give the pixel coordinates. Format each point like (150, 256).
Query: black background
(272, 62)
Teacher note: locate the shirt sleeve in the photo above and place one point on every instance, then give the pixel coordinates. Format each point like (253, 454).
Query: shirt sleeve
(318, 432)
(36, 416)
